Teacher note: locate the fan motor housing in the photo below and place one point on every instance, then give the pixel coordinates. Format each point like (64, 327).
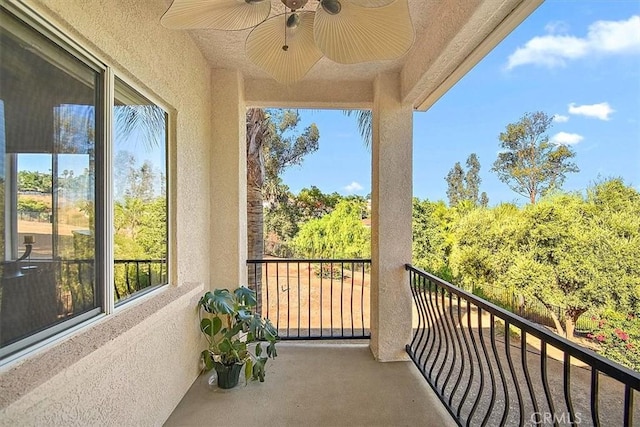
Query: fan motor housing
(294, 4)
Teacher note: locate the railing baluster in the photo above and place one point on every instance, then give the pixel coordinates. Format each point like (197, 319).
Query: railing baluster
(507, 350)
(449, 337)
(137, 276)
(442, 323)
(288, 302)
(341, 297)
(436, 332)
(457, 335)
(353, 271)
(298, 272)
(595, 416)
(362, 297)
(475, 349)
(471, 367)
(628, 406)
(266, 282)
(422, 304)
(567, 387)
(321, 301)
(278, 298)
(525, 369)
(545, 380)
(490, 367)
(309, 288)
(331, 304)
(412, 288)
(505, 390)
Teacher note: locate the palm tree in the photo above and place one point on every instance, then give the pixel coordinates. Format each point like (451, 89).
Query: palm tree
(256, 132)
(365, 122)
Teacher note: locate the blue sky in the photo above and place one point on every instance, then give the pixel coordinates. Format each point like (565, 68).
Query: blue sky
(578, 60)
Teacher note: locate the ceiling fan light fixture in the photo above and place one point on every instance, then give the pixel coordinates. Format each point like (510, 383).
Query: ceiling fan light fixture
(332, 7)
(293, 20)
(286, 55)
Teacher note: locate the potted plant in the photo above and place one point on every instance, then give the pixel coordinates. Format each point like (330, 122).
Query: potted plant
(229, 322)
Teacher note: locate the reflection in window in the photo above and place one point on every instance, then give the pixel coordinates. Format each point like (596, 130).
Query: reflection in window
(48, 189)
(140, 199)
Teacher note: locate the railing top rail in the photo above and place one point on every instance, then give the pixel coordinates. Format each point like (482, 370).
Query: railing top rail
(314, 260)
(606, 366)
(72, 260)
(139, 260)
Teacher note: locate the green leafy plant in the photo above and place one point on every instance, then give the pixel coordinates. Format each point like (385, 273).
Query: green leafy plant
(229, 322)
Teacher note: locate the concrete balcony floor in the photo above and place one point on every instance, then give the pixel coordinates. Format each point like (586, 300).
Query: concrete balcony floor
(318, 384)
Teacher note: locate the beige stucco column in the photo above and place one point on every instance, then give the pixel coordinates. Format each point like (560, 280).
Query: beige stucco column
(228, 182)
(392, 194)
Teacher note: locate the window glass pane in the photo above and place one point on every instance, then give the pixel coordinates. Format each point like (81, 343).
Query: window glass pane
(48, 152)
(140, 196)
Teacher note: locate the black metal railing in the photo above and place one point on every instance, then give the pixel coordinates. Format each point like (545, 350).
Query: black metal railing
(77, 277)
(531, 309)
(491, 367)
(134, 275)
(314, 298)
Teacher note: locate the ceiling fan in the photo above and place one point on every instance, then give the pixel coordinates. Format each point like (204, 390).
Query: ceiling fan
(288, 45)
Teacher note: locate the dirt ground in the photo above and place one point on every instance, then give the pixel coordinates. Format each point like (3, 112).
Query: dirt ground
(300, 303)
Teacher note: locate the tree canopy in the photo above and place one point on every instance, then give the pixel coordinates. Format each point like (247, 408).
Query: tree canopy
(529, 163)
(568, 251)
(340, 234)
(465, 186)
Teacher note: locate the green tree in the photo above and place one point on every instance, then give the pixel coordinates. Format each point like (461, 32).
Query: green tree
(528, 162)
(339, 234)
(313, 203)
(463, 185)
(483, 242)
(430, 247)
(281, 215)
(34, 181)
(472, 178)
(27, 204)
(455, 185)
(560, 260)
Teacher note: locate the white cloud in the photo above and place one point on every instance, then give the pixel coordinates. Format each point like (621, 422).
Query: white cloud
(353, 187)
(603, 37)
(564, 138)
(557, 27)
(598, 111)
(559, 118)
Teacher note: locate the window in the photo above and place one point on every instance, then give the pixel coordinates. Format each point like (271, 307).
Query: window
(59, 267)
(139, 193)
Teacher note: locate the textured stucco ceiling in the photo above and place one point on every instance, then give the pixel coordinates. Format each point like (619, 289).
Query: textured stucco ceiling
(225, 49)
(451, 36)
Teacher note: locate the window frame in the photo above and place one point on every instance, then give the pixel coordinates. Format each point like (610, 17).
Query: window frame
(104, 217)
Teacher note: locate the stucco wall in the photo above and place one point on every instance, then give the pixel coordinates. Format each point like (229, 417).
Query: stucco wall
(133, 367)
(129, 369)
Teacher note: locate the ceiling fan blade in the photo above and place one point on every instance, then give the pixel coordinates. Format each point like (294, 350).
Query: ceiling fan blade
(360, 34)
(216, 14)
(371, 3)
(265, 43)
